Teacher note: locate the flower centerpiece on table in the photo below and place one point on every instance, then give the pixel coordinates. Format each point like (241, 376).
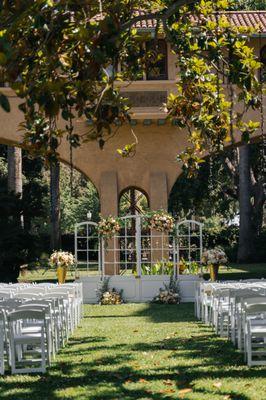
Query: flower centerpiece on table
(61, 260)
(161, 221)
(213, 258)
(108, 227)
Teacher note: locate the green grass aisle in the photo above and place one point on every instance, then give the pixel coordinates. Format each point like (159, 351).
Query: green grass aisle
(142, 351)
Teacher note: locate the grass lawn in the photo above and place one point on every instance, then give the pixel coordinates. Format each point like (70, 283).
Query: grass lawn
(243, 271)
(145, 352)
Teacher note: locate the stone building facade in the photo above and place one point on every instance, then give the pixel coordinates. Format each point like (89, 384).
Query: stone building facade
(153, 169)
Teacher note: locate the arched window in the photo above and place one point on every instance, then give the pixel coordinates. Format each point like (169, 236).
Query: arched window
(133, 201)
(263, 61)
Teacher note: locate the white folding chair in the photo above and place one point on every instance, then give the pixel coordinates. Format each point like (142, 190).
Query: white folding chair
(2, 343)
(34, 326)
(19, 339)
(247, 302)
(66, 311)
(237, 297)
(58, 319)
(255, 334)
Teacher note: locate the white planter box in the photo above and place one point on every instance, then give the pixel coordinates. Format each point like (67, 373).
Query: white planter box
(142, 289)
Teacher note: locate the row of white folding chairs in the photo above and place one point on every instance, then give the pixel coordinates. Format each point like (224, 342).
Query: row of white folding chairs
(204, 299)
(241, 316)
(73, 289)
(60, 320)
(58, 331)
(212, 298)
(236, 310)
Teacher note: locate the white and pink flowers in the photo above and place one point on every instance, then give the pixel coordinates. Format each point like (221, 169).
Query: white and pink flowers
(62, 259)
(109, 227)
(161, 221)
(215, 256)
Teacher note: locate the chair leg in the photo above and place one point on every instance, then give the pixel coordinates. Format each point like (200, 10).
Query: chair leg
(248, 350)
(43, 362)
(12, 357)
(2, 360)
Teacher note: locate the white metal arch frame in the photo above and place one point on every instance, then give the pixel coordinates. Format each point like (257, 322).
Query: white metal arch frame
(137, 250)
(88, 248)
(189, 240)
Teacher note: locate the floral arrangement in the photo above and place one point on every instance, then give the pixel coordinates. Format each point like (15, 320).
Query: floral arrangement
(161, 221)
(61, 259)
(108, 296)
(111, 297)
(215, 256)
(169, 295)
(108, 227)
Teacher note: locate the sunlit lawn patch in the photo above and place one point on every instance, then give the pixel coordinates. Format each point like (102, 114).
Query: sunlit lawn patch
(142, 351)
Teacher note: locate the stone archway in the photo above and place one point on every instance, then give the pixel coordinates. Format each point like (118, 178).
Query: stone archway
(153, 168)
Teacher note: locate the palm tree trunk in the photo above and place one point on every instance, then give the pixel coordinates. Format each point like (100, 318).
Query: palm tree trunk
(55, 205)
(246, 233)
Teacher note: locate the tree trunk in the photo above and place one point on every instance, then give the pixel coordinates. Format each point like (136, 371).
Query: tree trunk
(259, 200)
(14, 160)
(55, 205)
(14, 178)
(246, 234)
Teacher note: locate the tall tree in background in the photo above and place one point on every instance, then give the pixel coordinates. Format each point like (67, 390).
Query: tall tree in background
(13, 240)
(14, 179)
(14, 157)
(251, 196)
(217, 204)
(55, 205)
(246, 244)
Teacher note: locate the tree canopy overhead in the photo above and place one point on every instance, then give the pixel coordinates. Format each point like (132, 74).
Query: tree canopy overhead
(57, 56)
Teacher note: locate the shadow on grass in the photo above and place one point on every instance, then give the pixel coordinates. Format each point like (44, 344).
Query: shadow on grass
(117, 384)
(154, 312)
(112, 376)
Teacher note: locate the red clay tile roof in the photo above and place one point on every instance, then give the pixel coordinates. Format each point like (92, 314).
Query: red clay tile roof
(251, 19)
(145, 24)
